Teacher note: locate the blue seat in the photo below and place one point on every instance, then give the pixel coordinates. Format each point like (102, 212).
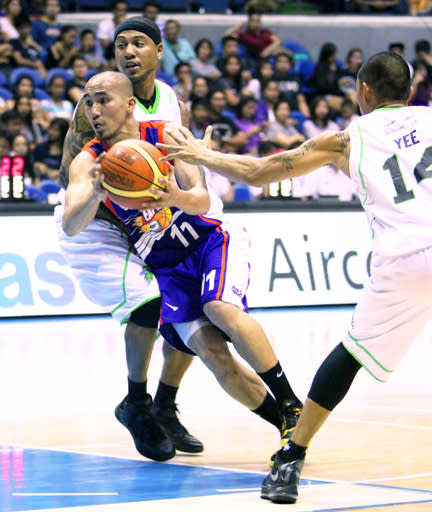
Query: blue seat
(35, 194)
(24, 71)
(300, 118)
(242, 192)
(242, 51)
(213, 5)
(5, 94)
(49, 186)
(67, 75)
(174, 5)
(305, 69)
(40, 94)
(299, 50)
(4, 81)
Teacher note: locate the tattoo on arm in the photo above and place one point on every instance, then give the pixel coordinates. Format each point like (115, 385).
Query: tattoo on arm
(79, 133)
(288, 158)
(343, 140)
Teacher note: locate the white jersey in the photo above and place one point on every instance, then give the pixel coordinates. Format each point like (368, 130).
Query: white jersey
(390, 163)
(164, 108)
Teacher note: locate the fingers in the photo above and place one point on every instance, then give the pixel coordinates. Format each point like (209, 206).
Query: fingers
(207, 136)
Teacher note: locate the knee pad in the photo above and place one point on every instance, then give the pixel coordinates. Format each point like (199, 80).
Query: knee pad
(147, 315)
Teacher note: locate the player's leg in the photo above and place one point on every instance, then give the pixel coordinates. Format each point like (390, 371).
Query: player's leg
(385, 323)
(238, 381)
(226, 260)
(164, 406)
(114, 278)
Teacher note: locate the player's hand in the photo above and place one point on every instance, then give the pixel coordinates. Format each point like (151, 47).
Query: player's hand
(184, 145)
(168, 196)
(97, 176)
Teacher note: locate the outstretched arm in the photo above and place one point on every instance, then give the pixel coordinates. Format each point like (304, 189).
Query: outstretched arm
(327, 148)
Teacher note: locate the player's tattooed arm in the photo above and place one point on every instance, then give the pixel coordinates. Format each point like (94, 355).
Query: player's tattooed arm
(79, 133)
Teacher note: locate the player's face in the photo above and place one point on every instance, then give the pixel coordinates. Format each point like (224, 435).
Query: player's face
(105, 107)
(360, 98)
(136, 54)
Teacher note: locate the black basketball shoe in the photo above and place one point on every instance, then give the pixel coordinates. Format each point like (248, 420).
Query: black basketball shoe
(290, 413)
(149, 437)
(281, 484)
(166, 415)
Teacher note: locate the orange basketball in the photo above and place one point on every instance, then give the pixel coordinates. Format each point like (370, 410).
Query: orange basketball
(131, 167)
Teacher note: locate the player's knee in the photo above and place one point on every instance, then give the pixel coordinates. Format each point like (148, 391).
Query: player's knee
(147, 315)
(225, 316)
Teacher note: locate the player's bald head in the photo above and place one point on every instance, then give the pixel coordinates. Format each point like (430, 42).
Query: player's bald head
(109, 80)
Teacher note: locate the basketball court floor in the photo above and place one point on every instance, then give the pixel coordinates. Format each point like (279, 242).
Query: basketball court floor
(61, 448)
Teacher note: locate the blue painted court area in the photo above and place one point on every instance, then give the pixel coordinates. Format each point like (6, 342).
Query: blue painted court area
(40, 479)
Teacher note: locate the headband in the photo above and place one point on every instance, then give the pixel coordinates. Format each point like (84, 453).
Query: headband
(140, 24)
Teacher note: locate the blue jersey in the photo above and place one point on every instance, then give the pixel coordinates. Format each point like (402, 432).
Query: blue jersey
(162, 237)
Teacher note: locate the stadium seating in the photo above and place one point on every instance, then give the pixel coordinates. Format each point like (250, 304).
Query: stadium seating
(41, 94)
(49, 186)
(5, 93)
(4, 82)
(67, 75)
(242, 192)
(17, 73)
(35, 194)
(213, 5)
(299, 51)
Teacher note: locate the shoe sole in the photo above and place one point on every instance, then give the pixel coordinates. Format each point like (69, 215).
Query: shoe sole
(186, 448)
(158, 457)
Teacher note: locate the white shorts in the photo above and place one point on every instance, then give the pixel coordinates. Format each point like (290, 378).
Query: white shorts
(393, 311)
(109, 273)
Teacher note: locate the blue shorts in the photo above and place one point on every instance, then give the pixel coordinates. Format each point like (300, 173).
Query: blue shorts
(217, 270)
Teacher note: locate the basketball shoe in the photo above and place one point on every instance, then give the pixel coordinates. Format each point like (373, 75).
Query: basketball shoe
(166, 415)
(290, 413)
(149, 437)
(281, 484)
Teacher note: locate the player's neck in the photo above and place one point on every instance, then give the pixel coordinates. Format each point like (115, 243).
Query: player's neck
(145, 89)
(130, 130)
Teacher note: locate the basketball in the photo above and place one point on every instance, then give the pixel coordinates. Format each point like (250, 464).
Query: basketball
(131, 167)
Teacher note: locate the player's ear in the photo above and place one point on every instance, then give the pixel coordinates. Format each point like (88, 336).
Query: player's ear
(159, 50)
(131, 103)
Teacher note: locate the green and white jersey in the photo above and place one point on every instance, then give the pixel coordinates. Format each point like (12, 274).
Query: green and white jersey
(164, 108)
(391, 165)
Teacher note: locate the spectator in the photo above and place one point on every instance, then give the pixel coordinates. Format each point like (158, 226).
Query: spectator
(423, 54)
(348, 113)
(231, 81)
(200, 89)
(21, 147)
(46, 29)
(422, 88)
(151, 12)
(25, 51)
(57, 105)
(224, 127)
(92, 51)
(380, 7)
(247, 124)
(325, 78)
(230, 46)
(13, 8)
(399, 48)
(62, 52)
(5, 143)
(32, 129)
(270, 96)
(289, 83)
(353, 62)
(106, 28)
(264, 73)
(24, 87)
(260, 42)
(199, 113)
(12, 123)
(183, 81)
(5, 56)
(282, 131)
(75, 86)
(35, 9)
(176, 49)
(203, 63)
(319, 119)
(47, 155)
(419, 7)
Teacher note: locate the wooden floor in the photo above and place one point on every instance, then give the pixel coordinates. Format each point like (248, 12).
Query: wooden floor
(61, 380)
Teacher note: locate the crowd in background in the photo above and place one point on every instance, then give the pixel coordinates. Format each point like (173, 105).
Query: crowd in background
(261, 94)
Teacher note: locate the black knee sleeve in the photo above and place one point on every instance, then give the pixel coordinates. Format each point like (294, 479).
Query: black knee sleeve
(147, 315)
(334, 378)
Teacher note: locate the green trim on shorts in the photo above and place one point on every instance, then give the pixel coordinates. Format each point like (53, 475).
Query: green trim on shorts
(126, 318)
(124, 284)
(370, 355)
